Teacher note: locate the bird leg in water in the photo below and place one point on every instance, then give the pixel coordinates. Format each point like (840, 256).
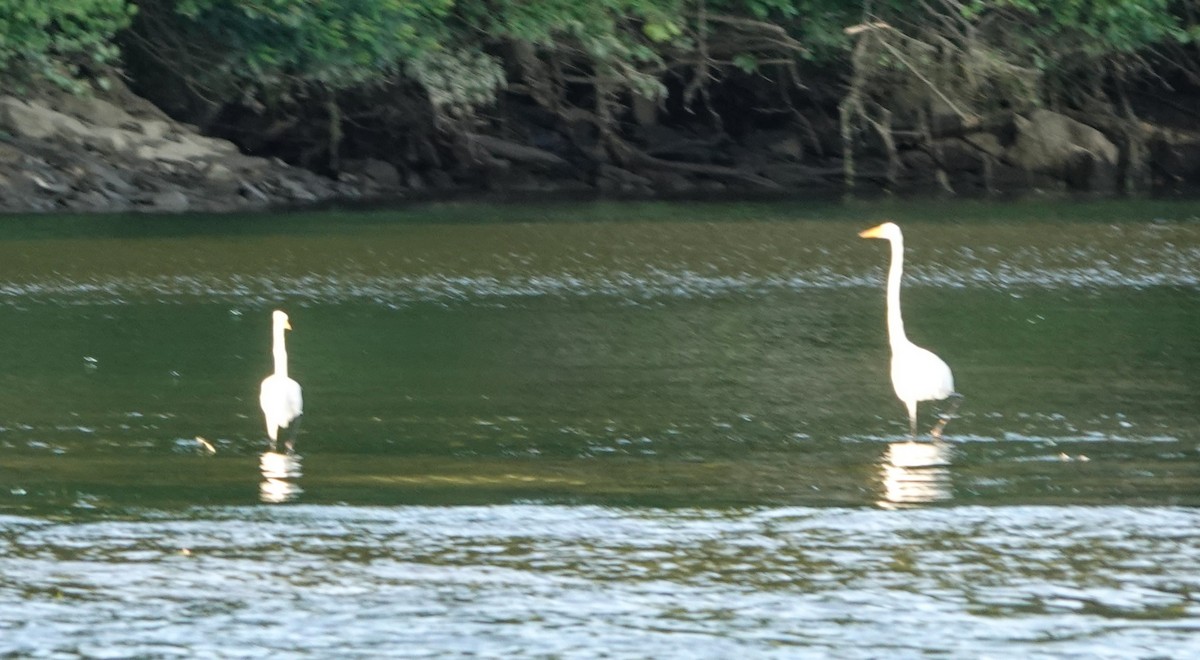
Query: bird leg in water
(290, 434)
(945, 417)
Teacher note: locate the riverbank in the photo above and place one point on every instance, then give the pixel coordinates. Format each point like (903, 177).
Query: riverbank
(117, 152)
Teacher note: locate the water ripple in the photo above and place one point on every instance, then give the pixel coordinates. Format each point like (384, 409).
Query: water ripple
(652, 284)
(567, 581)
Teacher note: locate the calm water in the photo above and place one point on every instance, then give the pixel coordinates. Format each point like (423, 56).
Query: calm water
(622, 430)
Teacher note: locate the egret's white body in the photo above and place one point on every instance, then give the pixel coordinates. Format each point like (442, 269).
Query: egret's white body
(917, 374)
(280, 396)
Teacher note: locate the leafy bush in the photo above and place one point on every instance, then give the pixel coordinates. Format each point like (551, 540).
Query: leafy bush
(53, 39)
(336, 44)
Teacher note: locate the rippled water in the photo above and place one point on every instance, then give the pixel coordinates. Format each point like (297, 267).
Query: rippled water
(632, 430)
(516, 580)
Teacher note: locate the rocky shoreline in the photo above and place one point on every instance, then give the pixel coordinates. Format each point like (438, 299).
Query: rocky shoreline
(69, 153)
(119, 153)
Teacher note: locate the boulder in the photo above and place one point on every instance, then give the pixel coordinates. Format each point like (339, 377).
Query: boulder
(184, 149)
(988, 143)
(89, 201)
(644, 109)
(1175, 156)
(670, 182)
(84, 153)
(787, 147)
(149, 139)
(508, 150)
(616, 179)
(795, 175)
(91, 110)
(920, 168)
(169, 201)
(219, 173)
(1051, 143)
(297, 190)
(382, 173)
(34, 120)
(957, 155)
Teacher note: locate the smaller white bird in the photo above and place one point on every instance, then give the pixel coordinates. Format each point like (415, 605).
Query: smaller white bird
(917, 374)
(280, 396)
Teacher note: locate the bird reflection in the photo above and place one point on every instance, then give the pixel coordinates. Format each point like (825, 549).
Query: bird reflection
(280, 474)
(915, 473)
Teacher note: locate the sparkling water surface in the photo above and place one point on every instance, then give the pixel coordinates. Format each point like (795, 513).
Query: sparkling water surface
(602, 430)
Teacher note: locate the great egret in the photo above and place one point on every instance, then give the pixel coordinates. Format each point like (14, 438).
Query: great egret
(280, 395)
(917, 374)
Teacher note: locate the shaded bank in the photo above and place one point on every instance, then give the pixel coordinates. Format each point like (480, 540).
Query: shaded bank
(120, 153)
(654, 97)
(64, 152)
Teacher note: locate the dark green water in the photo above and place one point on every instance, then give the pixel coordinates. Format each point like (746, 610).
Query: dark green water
(641, 429)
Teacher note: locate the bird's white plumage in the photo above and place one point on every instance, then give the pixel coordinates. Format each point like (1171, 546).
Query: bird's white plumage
(280, 395)
(917, 374)
(281, 402)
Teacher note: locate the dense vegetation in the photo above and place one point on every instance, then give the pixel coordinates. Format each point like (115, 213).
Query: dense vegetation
(314, 79)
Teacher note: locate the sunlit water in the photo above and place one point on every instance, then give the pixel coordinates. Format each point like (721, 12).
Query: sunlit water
(639, 430)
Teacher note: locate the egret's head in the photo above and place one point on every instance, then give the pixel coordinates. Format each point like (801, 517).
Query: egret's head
(888, 230)
(281, 319)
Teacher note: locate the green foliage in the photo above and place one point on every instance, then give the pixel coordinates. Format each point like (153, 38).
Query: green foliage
(745, 62)
(335, 44)
(818, 24)
(452, 47)
(976, 56)
(1088, 28)
(624, 39)
(457, 81)
(52, 39)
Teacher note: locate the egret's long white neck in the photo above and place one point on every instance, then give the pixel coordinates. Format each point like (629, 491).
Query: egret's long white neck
(896, 334)
(280, 352)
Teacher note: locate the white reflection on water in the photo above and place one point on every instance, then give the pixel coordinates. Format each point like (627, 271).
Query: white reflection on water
(280, 474)
(915, 473)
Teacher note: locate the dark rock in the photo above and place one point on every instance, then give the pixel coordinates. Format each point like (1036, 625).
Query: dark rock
(787, 147)
(615, 179)
(89, 201)
(987, 143)
(219, 172)
(104, 176)
(694, 150)
(115, 201)
(48, 183)
(1050, 143)
(1175, 156)
(794, 175)
(170, 201)
(382, 173)
(252, 192)
(672, 182)
(92, 110)
(27, 120)
(297, 190)
(1009, 178)
(440, 180)
(920, 169)
(644, 110)
(955, 155)
(413, 180)
(918, 160)
(517, 180)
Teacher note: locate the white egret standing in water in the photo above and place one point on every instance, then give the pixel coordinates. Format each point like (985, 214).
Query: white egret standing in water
(280, 395)
(917, 374)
